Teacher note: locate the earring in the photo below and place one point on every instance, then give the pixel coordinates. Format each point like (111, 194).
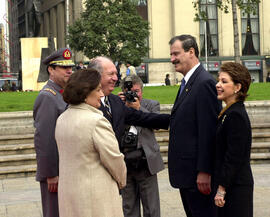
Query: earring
(235, 91)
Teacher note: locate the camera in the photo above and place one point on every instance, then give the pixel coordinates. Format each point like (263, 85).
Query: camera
(129, 141)
(129, 94)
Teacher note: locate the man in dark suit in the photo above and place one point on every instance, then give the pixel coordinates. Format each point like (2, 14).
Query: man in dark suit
(48, 106)
(143, 160)
(114, 108)
(192, 129)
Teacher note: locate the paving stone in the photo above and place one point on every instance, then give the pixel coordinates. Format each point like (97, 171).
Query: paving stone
(20, 197)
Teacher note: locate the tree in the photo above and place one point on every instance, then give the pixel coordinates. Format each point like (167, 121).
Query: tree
(247, 6)
(112, 28)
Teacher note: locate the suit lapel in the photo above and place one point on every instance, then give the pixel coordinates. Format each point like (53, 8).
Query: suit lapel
(186, 91)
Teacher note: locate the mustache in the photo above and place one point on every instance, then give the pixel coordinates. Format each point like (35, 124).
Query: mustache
(175, 62)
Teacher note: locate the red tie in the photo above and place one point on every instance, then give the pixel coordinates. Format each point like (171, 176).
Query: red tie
(61, 91)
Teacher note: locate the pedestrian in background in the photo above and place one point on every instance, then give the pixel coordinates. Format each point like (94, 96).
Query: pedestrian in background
(167, 80)
(233, 175)
(130, 69)
(48, 106)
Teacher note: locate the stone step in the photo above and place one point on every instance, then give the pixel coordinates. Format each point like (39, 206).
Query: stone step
(260, 137)
(260, 127)
(16, 130)
(17, 159)
(17, 171)
(16, 139)
(23, 118)
(17, 149)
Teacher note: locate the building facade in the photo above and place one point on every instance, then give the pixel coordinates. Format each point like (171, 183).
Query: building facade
(45, 18)
(173, 17)
(38, 18)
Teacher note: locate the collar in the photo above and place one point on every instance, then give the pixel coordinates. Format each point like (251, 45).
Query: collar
(102, 100)
(54, 85)
(190, 72)
(225, 108)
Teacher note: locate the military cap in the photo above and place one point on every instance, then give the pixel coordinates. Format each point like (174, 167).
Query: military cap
(61, 57)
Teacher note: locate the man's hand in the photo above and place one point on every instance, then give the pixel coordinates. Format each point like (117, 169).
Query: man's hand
(136, 105)
(122, 96)
(52, 184)
(204, 183)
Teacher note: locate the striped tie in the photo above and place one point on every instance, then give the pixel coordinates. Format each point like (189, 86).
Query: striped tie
(107, 106)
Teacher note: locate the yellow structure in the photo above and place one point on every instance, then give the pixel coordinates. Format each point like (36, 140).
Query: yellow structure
(31, 54)
(173, 17)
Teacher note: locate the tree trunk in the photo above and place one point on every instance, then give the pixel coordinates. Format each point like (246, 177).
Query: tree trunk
(235, 33)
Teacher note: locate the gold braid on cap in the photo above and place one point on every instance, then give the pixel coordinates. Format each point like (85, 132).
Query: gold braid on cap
(62, 62)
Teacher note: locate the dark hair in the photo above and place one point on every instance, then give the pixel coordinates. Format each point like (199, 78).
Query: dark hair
(239, 75)
(53, 66)
(80, 84)
(188, 42)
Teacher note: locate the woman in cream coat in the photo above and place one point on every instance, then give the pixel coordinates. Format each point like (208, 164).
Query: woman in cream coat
(91, 167)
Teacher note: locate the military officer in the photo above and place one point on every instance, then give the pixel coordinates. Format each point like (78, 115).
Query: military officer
(48, 106)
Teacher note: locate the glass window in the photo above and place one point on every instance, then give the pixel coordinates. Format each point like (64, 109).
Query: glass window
(250, 33)
(210, 28)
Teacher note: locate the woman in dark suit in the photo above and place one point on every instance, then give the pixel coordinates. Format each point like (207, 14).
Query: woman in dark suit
(233, 175)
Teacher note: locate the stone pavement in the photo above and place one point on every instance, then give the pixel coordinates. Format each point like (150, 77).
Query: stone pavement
(20, 197)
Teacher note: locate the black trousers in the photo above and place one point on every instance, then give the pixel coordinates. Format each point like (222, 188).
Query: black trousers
(49, 201)
(238, 202)
(197, 204)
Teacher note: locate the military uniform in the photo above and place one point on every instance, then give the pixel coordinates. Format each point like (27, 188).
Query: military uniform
(48, 106)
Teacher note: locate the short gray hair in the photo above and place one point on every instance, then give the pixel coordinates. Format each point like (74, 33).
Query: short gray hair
(135, 80)
(97, 62)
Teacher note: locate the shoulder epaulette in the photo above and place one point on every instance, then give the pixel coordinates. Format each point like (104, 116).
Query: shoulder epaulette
(50, 90)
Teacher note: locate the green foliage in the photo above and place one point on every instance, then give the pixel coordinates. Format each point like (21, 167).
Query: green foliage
(111, 28)
(24, 101)
(247, 6)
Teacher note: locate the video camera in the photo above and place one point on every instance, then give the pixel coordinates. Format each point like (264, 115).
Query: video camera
(128, 93)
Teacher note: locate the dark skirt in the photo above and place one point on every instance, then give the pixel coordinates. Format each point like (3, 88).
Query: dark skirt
(238, 202)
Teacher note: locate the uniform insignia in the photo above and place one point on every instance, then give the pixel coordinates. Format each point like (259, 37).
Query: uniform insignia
(50, 90)
(67, 54)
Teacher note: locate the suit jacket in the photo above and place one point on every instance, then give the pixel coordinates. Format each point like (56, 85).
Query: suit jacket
(122, 115)
(233, 144)
(147, 140)
(192, 130)
(48, 106)
(90, 164)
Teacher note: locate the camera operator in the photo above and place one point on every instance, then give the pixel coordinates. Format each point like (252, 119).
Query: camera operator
(142, 155)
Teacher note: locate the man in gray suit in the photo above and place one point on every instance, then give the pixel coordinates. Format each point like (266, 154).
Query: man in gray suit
(143, 161)
(48, 106)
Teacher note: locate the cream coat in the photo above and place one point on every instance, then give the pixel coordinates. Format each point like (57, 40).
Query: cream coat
(90, 164)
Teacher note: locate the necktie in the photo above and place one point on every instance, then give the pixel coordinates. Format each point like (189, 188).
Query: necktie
(182, 86)
(107, 106)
